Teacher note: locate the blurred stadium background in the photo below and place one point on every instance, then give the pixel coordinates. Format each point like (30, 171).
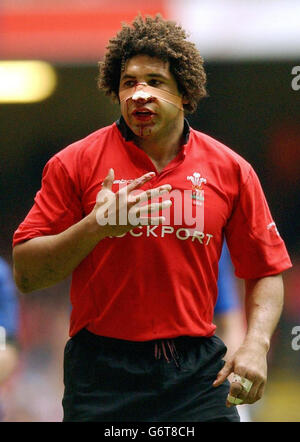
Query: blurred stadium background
(250, 48)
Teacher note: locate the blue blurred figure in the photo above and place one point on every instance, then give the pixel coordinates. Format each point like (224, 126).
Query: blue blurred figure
(9, 324)
(9, 306)
(229, 316)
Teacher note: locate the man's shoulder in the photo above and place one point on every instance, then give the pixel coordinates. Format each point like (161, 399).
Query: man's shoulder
(88, 144)
(218, 150)
(79, 155)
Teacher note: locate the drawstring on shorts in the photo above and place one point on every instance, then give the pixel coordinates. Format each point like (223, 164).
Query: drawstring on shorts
(161, 348)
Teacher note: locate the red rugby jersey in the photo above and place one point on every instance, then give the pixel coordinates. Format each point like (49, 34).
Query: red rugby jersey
(156, 281)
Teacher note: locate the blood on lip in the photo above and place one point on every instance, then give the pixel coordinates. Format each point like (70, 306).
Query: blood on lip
(143, 115)
(142, 112)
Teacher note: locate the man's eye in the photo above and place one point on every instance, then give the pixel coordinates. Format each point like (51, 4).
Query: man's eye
(154, 83)
(129, 83)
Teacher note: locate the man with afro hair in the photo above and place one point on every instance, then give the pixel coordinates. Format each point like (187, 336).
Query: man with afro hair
(137, 212)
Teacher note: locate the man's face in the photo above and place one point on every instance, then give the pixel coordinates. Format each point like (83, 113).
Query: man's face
(151, 117)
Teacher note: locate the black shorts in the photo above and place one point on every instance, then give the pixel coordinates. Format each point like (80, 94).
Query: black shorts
(112, 380)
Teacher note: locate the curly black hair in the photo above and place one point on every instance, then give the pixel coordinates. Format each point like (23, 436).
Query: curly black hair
(156, 37)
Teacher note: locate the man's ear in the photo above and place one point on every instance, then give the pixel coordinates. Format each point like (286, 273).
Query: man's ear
(185, 99)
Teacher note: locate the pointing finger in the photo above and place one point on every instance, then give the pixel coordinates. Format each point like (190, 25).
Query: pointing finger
(223, 374)
(138, 182)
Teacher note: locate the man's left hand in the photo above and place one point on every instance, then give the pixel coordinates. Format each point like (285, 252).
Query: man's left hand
(249, 362)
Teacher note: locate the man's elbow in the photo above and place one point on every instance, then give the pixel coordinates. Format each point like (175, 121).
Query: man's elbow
(22, 281)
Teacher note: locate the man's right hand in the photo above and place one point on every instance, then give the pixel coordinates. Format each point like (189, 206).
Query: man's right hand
(43, 261)
(127, 208)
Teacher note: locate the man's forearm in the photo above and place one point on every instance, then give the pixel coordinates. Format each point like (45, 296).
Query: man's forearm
(264, 302)
(44, 261)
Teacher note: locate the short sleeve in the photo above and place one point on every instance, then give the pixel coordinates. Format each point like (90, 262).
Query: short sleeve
(255, 245)
(57, 205)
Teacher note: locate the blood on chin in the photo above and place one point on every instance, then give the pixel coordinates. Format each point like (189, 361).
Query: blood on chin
(141, 129)
(144, 131)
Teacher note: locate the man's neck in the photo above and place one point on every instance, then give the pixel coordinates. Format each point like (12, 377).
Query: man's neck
(163, 148)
